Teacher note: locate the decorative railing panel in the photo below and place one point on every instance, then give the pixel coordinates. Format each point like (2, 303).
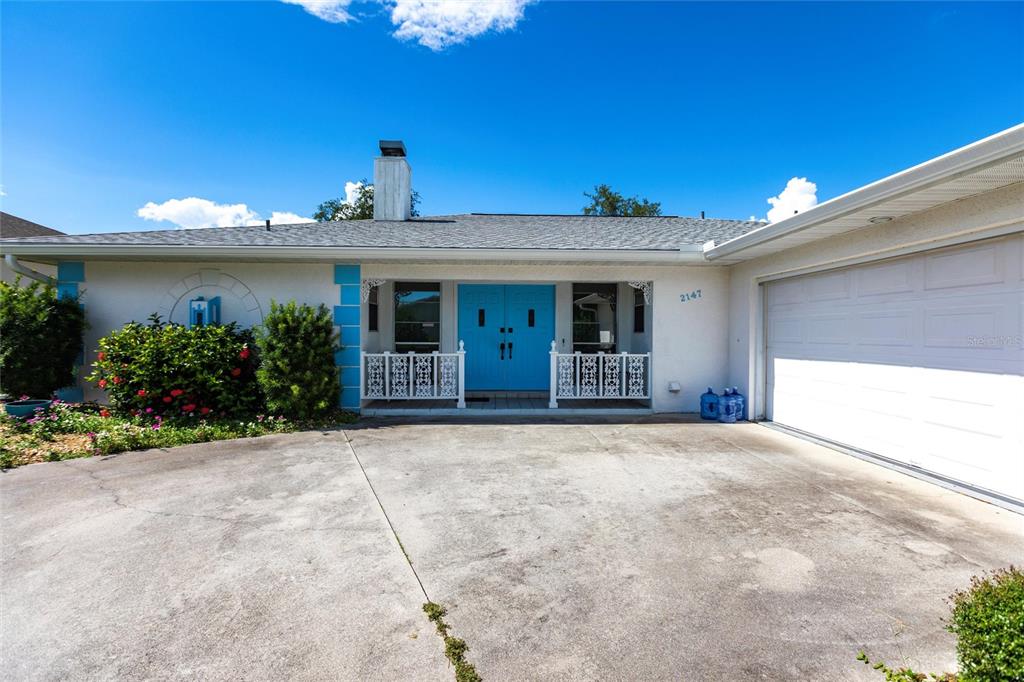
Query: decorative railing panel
(414, 376)
(599, 375)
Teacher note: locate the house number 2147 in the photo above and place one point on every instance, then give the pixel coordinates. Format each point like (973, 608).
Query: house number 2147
(693, 295)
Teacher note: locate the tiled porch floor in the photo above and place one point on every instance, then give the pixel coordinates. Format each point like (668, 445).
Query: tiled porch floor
(512, 405)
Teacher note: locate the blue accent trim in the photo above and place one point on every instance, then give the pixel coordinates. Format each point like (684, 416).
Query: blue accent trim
(350, 294)
(346, 274)
(71, 394)
(347, 357)
(70, 271)
(67, 290)
(350, 336)
(350, 376)
(346, 316)
(350, 397)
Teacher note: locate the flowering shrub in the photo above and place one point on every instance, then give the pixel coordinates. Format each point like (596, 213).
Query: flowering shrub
(171, 371)
(40, 339)
(298, 374)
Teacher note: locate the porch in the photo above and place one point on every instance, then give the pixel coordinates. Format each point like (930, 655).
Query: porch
(453, 347)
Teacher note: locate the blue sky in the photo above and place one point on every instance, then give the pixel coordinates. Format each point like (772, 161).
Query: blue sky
(109, 106)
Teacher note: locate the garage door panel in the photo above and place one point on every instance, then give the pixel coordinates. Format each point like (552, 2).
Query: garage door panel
(896, 277)
(966, 266)
(917, 359)
(888, 328)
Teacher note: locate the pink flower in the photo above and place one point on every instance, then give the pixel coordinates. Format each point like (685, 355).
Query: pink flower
(149, 410)
(188, 408)
(168, 398)
(141, 392)
(102, 383)
(176, 392)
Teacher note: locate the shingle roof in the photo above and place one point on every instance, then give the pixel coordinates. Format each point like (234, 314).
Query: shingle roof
(11, 226)
(465, 231)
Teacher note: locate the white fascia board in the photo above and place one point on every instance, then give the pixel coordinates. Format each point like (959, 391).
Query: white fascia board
(962, 161)
(691, 253)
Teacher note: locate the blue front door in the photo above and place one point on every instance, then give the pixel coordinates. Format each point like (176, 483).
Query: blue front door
(507, 329)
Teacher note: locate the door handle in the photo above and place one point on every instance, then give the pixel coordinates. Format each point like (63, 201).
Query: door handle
(509, 350)
(502, 347)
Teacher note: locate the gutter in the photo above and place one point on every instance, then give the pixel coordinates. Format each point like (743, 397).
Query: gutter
(690, 253)
(963, 161)
(14, 264)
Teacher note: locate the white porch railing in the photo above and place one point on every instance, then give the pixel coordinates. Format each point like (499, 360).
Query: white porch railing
(414, 376)
(595, 376)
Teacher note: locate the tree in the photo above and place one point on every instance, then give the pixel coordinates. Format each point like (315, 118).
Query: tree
(361, 207)
(606, 201)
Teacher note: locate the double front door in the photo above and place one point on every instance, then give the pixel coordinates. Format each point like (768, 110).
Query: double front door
(507, 329)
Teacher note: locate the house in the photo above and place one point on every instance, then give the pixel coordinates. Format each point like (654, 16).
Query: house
(12, 227)
(887, 320)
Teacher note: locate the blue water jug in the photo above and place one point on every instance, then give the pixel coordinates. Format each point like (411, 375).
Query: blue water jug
(741, 403)
(727, 408)
(709, 405)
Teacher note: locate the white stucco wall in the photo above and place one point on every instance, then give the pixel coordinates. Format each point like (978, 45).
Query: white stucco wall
(687, 340)
(118, 292)
(990, 214)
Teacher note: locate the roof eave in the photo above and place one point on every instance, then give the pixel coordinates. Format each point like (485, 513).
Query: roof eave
(690, 253)
(962, 161)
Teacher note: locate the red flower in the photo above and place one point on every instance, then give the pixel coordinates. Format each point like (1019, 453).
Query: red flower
(117, 380)
(188, 408)
(102, 356)
(104, 413)
(176, 392)
(244, 354)
(102, 383)
(204, 410)
(168, 398)
(236, 372)
(141, 392)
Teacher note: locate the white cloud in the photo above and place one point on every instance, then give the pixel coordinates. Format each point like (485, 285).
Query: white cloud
(352, 191)
(284, 218)
(194, 213)
(334, 11)
(798, 196)
(437, 24)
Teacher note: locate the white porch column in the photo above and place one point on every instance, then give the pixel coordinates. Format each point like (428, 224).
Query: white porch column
(553, 388)
(462, 375)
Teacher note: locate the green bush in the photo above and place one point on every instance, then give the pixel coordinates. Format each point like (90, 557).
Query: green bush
(40, 339)
(297, 346)
(988, 621)
(176, 371)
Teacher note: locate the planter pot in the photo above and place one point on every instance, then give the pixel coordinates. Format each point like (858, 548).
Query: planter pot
(25, 408)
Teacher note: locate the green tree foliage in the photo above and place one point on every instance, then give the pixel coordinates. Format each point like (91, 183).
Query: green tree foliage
(606, 201)
(171, 371)
(297, 346)
(40, 339)
(360, 209)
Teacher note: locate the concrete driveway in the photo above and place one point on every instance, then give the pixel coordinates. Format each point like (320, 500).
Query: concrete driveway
(639, 550)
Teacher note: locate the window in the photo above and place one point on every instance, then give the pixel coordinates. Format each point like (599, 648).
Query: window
(417, 317)
(639, 310)
(372, 311)
(593, 318)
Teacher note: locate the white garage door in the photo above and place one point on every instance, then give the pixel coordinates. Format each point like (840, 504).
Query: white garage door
(917, 359)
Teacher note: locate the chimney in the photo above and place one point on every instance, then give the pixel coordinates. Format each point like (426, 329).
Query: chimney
(392, 183)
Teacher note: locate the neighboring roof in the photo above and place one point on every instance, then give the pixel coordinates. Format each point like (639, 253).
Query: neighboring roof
(985, 165)
(11, 226)
(466, 232)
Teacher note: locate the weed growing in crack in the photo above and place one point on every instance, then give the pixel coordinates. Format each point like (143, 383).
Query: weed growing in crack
(454, 648)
